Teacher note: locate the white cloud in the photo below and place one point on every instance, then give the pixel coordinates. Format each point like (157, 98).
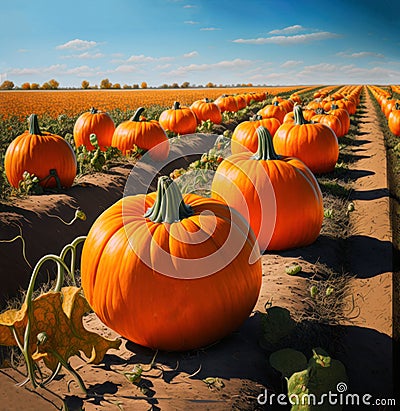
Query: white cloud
(189, 6)
(83, 71)
(146, 59)
(288, 30)
(209, 29)
(298, 38)
(77, 44)
(126, 68)
(191, 54)
(85, 55)
(291, 63)
(191, 22)
(224, 65)
(53, 69)
(360, 54)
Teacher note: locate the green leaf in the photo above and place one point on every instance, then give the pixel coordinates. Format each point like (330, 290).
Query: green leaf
(288, 361)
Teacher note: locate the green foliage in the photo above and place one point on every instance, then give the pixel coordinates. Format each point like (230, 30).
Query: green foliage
(29, 184)
(308, 385)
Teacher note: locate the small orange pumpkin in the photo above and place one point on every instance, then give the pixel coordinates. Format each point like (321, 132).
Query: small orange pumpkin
(343, 115)
(48, 156)
(206, 110)
(244, 136)
(178, 119)
(330, 120)
(394, 120)
(94, 122)
(227, 103)
(145, 134)
(273, 110)
(313, 143)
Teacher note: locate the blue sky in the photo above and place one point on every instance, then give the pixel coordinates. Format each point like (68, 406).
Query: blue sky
(261, 42)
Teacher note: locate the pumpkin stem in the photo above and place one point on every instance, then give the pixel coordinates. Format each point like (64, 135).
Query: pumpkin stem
(256, 117)
(298, 116)
(397, 106)
(34, 125)
(93, 110)
(176, 105)
(265, 149)
(138, 112)
(334, 107)
(169, 206)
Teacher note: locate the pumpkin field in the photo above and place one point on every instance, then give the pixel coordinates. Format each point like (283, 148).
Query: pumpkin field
(200, 249)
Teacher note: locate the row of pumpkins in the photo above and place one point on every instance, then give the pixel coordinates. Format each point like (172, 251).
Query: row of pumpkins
(177, 272)
(389, 106)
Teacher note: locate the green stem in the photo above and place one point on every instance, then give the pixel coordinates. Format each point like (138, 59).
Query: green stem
(298, 116)
(176, 105)
(29, 309)
(23, 245)
(93, 110)
(34, 125)
(138, 113)
(256, 117)
(265, 149)
(169, 206)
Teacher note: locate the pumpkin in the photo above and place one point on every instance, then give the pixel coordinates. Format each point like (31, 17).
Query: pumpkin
(142, 133)
(344, 118)
(244, 136)
(48, 156)
(273, 110)
(266, 185)
(313, 143)
(171, 272)
(206, 110)
(394, 120)
(330, 120)
(241, 101)
(178, 119)
(227, 103)
(94, 122)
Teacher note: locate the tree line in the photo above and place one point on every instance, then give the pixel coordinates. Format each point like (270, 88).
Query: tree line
(104, 84)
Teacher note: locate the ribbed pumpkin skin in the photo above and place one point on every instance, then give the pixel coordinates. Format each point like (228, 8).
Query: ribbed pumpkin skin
(244, 135)
(314, 144)
(99, 123)
(38, 154)
(227, 103)
(344, 118)
(331, 121)
(394, 120)
(160, 311)
(206, 110)
(180, 120)
(272, 110)
(145, 134)
(296, 199)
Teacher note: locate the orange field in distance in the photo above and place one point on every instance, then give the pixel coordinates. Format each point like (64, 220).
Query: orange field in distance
(72, 102)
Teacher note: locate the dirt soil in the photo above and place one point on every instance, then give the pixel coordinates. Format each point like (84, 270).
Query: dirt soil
(365, 343)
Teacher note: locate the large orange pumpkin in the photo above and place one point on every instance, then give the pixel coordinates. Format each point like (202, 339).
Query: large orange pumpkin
(145, 134)
(330, 120)
(94, 122)
(244, 136)
(279, 196)
(313, 143)
(178, 119)
(171, 272)
(206, 110)
(48, 156)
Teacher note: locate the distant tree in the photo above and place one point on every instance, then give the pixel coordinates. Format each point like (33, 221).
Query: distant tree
(105, 83)
(7, 85)
(116, 85)
(210, 84)
(249, 84)
(126, 86)
(185, 84)
(53, 84)
(45, 86)
(174, 85)
(85, 84)
(164, 85)
(35, 86)
(25, 86)
(143, 84)
(135, 85)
